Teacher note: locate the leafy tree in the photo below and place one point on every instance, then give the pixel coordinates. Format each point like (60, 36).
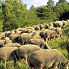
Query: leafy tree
(32, 8)
(59, 9)
(1, 18)
(62, 1)
(1, 22)
(45, 13)
(50, 3)
(62, 10)
(65, 14)
(1, 26)
(14, 13)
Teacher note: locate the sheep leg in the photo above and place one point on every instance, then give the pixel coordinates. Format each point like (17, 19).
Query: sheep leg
(14, 62)
(55, 65)
(41, 67)
(26, 58)
(4, 64)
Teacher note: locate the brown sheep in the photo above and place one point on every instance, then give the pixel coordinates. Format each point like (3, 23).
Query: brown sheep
(36, 27)
(2, 43)
(36, 35)
(12, 45)
(48, 34)
(47, 58)
(25, 50)
(7, 40)
(24, 38)
(5, 54)
(58, 24)
(2, 35)
(50, 27)
(42, 34)
(46, 26)
(27, 30)
(7, 34)
(12, 31)
(18, 32)
(14, 37)
(51, 24)
(58, 31)
(65, 23)
(41, 26)
(41, 43)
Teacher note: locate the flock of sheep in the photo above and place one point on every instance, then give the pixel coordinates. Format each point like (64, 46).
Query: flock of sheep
(30, 43)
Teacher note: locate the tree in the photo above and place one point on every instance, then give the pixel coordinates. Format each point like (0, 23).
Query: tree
(1, 17)
(65, 14)
(32, 8)
(50, 3)
(14, 13)
(62, 10)
(1, 21)
(46, 14)
(59, 9)
(62, 1)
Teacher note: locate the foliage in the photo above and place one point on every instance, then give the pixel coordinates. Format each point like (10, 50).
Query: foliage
(1, 21)
(14, 13)
(45, 13)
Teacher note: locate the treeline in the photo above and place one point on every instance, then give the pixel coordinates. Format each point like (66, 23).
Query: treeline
(14, 13)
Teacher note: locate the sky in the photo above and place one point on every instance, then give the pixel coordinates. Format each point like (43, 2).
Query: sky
(37, 3)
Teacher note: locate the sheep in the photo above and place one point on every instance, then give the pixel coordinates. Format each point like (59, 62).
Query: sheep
(7, 40)
(14, 37)
(58, 31)
(27, 30)
(58, 24)
(36, 35)
(19, 29)
(50, 27)
(2, 43)
(41, 26)
(17, 32)
(36, 27)
(2, 35)
(41, 43)
(5, 54)
(30, 29)
(12, 31)
(23, 38)
(25, 50)
(64, 23)
(48, 34)
(7, 34)
(47, 58)
(42, 33)
(46, 26)
(51, 24)
(12, 45)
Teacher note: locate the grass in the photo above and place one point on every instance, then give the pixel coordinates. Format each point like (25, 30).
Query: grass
(10, 65)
